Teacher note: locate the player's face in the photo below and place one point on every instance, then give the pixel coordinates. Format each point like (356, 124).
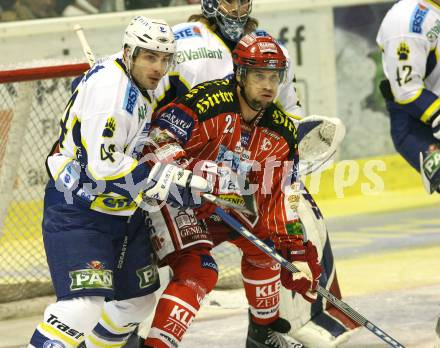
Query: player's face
(149, 67)
(234, 8)
(261, 86)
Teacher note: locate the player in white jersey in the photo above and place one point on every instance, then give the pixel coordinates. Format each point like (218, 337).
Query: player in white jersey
(204, 46)
(95, 239)
(409, 40)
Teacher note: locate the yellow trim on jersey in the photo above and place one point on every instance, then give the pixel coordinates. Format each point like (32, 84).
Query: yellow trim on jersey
(295, 117)
(430, 111)
(105, 345)
(119, 66)
(61, 168)
(433, 4)
(112, 325)
(410, 100)
(50, 329)
(181, 79)
(116, 176)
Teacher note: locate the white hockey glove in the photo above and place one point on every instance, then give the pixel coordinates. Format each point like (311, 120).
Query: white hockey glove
(318, 140)
(175, 185)
(436, 127)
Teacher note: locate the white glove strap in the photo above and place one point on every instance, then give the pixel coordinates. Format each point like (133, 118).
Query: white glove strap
(167, 174)
(163, 175)
(435, 124)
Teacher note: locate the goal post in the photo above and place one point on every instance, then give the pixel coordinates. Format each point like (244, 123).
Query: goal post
(31, 103)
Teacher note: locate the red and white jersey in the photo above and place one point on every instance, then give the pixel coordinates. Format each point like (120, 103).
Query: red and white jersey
(205, 124)
(201, 55)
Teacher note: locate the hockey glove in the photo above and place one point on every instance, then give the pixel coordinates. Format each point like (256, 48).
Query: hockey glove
(209, 171)
(385, 90)
(436, 127)
(430, 168)
(175, 185)
(305, 258)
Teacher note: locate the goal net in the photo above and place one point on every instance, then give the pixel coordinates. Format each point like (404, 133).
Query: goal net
(32, 101)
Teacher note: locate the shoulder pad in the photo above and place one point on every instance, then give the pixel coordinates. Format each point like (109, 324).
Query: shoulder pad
(279, 122)
(211, 98)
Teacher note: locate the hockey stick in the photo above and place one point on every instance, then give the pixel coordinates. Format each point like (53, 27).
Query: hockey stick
(341, 305)
(84, 44)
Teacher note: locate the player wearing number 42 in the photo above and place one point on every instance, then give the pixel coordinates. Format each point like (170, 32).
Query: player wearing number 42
(409, 40)
(89, 212)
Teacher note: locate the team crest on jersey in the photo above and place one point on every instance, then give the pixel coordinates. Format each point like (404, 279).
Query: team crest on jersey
(109, 128)
(417, 18)
(403, 51)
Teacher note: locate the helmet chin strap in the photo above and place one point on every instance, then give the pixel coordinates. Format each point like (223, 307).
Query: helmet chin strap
(249, 102)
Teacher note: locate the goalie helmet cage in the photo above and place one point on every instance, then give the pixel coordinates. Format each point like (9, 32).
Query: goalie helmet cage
(32, 101)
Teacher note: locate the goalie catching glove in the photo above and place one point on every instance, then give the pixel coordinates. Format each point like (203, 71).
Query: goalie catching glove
(305, 258)
(318, 140)
(175, 185)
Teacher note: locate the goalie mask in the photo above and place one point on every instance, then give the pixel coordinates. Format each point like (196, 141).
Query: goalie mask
(149, 34)
(258, 53)
(230, 15)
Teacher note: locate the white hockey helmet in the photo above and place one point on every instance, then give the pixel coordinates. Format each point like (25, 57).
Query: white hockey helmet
(150, 34)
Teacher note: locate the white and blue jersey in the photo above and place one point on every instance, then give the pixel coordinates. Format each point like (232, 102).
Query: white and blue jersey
(409, 40)
(103, 130)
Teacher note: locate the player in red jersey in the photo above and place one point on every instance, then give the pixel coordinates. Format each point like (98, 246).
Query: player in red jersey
(231, 132)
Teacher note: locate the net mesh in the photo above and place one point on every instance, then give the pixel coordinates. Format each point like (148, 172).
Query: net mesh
(29, 122)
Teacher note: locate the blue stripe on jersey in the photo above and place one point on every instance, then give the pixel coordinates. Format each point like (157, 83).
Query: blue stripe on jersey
(417, 18)
(176, 89)
(107, 335)
(417, 107)
(431, 63)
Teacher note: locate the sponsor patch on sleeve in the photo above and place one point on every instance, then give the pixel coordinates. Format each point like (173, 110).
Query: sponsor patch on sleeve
(131, 95)
(417, 18)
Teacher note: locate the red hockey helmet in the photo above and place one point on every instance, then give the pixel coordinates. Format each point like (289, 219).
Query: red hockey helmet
(259, 52)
